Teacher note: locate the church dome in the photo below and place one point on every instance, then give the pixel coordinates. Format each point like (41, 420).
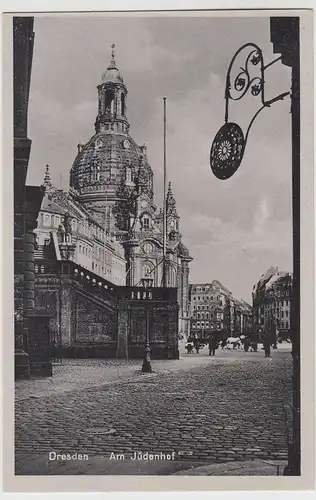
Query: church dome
(111, 155)
(101, 163)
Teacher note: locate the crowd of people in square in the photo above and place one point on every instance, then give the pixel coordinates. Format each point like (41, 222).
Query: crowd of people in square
(242, 342)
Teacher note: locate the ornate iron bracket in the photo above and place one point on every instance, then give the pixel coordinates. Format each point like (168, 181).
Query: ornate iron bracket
(229, 144)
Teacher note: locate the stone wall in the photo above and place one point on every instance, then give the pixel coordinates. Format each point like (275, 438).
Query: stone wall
(87, 319)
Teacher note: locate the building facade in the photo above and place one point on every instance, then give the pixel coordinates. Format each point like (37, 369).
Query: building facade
(77, 235)
(214, 311)
(242, 319)
(210, 310)
(272, 297)
(112, 180)
(27, 202)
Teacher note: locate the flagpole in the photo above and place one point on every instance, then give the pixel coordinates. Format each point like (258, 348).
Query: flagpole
(164, 196)
(105, 234)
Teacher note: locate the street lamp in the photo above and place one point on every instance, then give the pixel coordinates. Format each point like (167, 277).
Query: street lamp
(147, 283)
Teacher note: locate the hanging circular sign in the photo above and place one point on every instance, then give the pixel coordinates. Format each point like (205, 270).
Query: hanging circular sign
(227, 151)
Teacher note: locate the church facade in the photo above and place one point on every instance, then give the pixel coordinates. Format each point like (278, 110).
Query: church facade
(111, 178)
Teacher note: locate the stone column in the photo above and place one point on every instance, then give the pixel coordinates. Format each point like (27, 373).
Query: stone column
(22, 148)
(122, 329)
(173, 328)
(33, 199)
(130, 255)
(185, 295)
(67, 310)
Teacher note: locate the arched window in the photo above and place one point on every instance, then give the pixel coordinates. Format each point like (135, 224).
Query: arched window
(109, 101)
(148, 248)
(174, 277)
(95, 173)
(128, 174)
(146, 222)
(123, 104)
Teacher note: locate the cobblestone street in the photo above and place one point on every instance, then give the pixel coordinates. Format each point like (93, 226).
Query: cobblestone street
(233, 407)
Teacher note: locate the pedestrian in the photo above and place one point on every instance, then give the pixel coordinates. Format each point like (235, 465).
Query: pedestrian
(197, 345)
(254, 346)
(212, 346)
(267, 346)
(224, 343)
(246, 344)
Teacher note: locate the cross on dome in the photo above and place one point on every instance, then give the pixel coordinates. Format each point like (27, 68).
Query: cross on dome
(112, 63)
(47, 179)
(112, 73)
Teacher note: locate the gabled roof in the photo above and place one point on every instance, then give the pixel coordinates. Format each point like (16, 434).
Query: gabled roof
(216, 283)
(48, 205)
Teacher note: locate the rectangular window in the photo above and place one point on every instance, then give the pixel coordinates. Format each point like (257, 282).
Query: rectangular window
(198, 324)
(146, 223)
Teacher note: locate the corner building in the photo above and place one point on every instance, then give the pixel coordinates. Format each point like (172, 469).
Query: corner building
(109, 163)
(272, 298)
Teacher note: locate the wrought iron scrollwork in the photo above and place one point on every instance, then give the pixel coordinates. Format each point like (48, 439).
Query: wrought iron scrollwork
(243, 81)
(230, 141)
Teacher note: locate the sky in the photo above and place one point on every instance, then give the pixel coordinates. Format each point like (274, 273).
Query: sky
(234, 229)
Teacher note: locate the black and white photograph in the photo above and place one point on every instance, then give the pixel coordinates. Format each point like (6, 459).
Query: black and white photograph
(157, 255)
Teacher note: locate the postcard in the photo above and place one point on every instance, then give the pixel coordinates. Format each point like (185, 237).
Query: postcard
(160, 326)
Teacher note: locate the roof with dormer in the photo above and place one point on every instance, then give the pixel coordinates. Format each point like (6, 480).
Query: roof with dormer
(48, 205)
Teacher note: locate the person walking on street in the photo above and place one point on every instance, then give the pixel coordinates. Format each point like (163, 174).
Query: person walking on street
(224, 343)
(197, 345)
(212, 346)
(267, 346)
(246, 344)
